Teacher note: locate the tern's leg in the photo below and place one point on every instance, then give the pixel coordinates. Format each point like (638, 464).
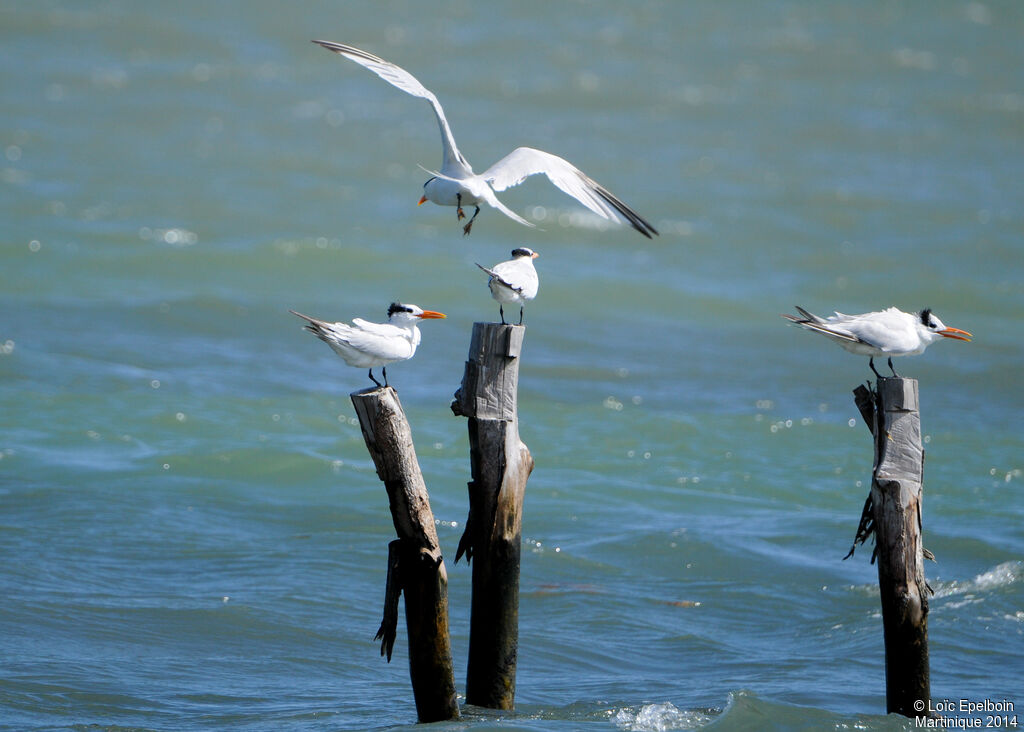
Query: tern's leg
(520, 315)
(871, 363)
(458, 207)
(374, 380)
(501, 310)
(893, 370)
(384, 370)
(467, 227)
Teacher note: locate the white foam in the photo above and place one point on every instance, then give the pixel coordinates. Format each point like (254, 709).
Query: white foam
(1001, 575)
(658, 717)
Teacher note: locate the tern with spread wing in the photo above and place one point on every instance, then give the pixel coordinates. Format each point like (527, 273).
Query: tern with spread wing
(457, 185)
(888, 333)
(514, 281)
(366, 345)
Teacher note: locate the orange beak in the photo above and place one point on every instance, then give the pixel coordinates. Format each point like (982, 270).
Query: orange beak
(422, 201)
(960, 335)
(534, 255)
(432, 314)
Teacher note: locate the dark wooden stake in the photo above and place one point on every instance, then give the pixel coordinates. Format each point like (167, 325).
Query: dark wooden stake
(415, 565)
(501, 465)
(893, 514)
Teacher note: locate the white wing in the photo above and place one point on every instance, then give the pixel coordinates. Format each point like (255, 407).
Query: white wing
(364, 343)
(890, 331)
(520, 275)
(523, 162)
(376, 344)
(399, 77)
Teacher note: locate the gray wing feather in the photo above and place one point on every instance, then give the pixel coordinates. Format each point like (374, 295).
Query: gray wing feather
(499, 278)
(813, 322)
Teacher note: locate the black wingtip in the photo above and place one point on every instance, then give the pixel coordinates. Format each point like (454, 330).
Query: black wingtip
(307, 318)
(637, 221)
(331, 46)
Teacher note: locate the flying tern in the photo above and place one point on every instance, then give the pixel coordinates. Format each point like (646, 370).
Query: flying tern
(514, 281)
(888, 333)
(457, 185)
(366, 345)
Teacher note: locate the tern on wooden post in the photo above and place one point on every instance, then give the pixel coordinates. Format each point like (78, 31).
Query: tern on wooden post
(415, 565)
(893, 514)
(501, 465)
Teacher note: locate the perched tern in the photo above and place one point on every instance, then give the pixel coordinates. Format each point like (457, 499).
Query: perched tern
(457, 185)
(889, 332)
(366, 344)
(514, 281)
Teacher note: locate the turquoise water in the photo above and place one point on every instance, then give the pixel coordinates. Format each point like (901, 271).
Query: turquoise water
(192, 534)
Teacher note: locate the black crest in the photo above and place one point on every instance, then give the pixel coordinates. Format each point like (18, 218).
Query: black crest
(522, 252)
(926, 317)
(397, 307)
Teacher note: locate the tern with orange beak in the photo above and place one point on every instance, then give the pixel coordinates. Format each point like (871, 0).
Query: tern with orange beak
(514, 281)
(888, 333)
(366, 345)
(457, 185)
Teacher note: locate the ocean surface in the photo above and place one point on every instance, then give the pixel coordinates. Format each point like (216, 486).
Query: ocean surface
(192, 535)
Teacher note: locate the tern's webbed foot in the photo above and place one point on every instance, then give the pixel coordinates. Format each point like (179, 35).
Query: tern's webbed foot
(892, 369)
(468, 226)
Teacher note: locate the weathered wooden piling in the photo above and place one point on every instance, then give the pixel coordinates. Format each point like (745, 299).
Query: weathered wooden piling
(893, 514)
(415, 565)
(501, 465)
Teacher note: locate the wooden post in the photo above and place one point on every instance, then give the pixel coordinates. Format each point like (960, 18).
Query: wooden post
(501, 465)
(415, 565)
(893, 514)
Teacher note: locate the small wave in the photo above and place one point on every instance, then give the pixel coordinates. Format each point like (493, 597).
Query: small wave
(658, 717)
(1002, 575)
